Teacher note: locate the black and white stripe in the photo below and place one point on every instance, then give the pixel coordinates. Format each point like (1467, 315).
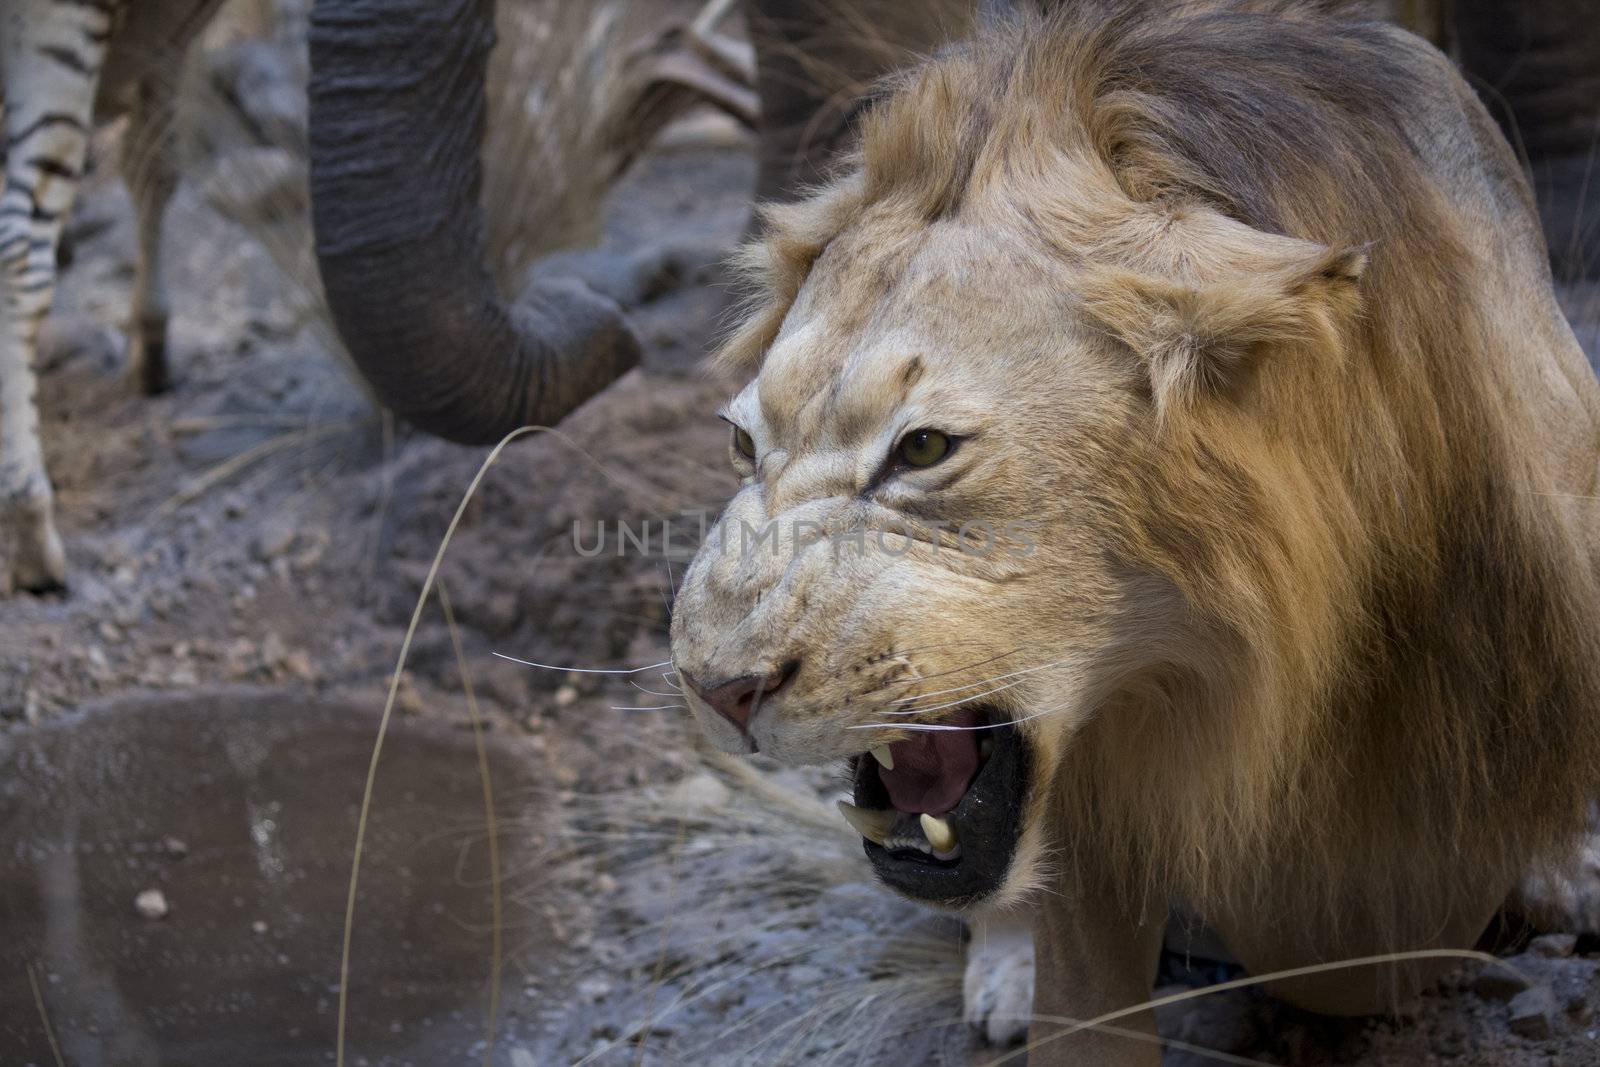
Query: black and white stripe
(52, 53)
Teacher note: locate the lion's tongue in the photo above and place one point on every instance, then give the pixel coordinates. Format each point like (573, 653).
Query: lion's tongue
(933, 769)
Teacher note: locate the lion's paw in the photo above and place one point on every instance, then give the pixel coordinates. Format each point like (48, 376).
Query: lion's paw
(997, 992)
(1566, 900)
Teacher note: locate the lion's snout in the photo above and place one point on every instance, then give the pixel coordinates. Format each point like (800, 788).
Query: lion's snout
(739, 699)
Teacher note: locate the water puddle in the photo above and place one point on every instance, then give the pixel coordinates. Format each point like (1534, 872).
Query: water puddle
(234, 813)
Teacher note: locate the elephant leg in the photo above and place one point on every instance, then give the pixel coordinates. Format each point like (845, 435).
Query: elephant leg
(147, 169)
(49, 70)
(817, 60)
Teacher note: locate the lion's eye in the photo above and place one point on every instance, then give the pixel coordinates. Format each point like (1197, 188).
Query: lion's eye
(924, 448)
(744, 444)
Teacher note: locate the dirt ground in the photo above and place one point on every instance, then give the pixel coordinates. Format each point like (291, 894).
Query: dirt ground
(245, 554)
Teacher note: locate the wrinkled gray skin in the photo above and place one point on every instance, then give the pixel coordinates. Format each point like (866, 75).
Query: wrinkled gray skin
(397, 114)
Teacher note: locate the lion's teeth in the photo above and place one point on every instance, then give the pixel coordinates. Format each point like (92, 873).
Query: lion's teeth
(938, 832)
(870, 824)
(884, 757)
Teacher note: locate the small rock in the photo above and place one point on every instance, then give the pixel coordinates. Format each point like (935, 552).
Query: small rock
(298, 665)
(1579, 1009)
(1554, 946)
(175, 848)
(1498, 983)
(96, 658)
(259, 926)
(276, 535)
(1533, 1013)
(565, 696)
(151, 904)
(697, 796)
(592, 989)
(407, 700)
(273, 650)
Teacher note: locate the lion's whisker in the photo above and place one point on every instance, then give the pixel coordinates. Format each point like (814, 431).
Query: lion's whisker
(952, 670)
(954, 703)
(581, 670)
(974, 685)
(652, 707)
(930, 726)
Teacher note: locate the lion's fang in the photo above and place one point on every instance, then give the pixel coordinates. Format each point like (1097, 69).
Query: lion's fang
(938, 832)
(870, 824)
(884, 757)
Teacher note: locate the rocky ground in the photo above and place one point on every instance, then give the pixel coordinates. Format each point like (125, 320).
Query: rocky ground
(246, 552)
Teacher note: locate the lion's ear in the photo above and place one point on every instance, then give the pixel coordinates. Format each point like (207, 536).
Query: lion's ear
(1204, 337)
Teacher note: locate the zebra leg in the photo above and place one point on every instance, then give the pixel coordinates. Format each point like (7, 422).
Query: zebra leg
(148, 170)
(50, 57)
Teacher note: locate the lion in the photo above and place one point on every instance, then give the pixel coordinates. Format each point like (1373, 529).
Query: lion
(1168, 481)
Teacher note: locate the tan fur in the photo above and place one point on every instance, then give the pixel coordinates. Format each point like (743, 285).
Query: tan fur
(1245, 306)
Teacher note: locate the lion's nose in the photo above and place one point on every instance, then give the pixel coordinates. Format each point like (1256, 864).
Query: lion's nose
(737, 698)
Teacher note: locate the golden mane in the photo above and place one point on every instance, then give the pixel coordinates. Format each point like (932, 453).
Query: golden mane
(1401, 599)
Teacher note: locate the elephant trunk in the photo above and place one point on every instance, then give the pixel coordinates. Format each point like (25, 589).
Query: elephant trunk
(396, 124)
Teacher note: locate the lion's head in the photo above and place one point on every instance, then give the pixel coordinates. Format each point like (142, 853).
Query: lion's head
(1103, 443)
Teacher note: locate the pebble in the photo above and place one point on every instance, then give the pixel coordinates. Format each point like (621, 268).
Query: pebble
(175, 848)
(566, 695)
(151, 904)
(1533, 1013)
(696, 796)
(298, 665)
(273, 650)
(592, 989)
(276, 535)
(1498, 983)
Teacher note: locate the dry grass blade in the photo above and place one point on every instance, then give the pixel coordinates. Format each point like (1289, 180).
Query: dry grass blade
(383, 728)
(44, 1018)
(491, 827)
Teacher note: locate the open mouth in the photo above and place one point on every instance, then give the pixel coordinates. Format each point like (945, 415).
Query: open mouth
(941, 812)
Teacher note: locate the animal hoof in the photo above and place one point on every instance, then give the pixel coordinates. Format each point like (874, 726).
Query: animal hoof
(37, 562)
(147, 363)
